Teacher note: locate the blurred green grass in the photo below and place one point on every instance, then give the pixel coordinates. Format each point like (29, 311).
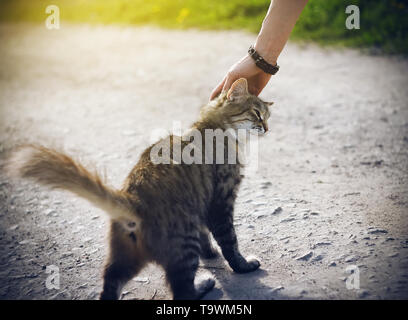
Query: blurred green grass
(383, 23)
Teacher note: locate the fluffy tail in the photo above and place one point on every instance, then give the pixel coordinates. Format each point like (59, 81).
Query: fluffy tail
(57, 170)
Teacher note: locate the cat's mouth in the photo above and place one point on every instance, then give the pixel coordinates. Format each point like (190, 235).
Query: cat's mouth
(260, 130)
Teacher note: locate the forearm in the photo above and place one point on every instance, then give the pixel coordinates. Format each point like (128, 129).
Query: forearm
(276, 27)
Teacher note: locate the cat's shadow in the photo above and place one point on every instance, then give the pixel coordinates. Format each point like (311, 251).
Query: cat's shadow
(234, 286)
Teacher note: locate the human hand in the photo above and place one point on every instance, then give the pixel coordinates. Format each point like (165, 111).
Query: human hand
(245, 68)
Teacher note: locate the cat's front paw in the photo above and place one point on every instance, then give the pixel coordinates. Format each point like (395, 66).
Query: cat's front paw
(248, 265)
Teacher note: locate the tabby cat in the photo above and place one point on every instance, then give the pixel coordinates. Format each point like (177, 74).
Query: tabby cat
(165, 212)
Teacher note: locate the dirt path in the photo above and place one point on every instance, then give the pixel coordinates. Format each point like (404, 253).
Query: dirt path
(330, 193)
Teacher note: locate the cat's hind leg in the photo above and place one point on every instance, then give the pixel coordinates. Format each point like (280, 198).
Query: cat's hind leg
(207, 249)
(124, 261)
(181, 270)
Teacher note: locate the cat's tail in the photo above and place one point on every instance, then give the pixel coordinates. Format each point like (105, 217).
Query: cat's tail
(57, 170)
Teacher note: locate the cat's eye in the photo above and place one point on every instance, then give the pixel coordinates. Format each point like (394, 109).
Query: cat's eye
(258, 114)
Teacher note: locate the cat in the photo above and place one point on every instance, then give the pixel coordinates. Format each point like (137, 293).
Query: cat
(165, 212)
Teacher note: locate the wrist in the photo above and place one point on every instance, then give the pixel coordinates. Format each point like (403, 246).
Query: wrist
(266, 51)
(261, 63)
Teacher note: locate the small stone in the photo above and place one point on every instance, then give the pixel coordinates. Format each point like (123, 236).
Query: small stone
(66, 254)
(276, 289)
(321, 244)
(377, 231)
(82, 286)
(351, 194)
(332, 264)
(124, 294)
(350, 259)
(142, 279)
(277, 210)
(305, 256)
(49, 212)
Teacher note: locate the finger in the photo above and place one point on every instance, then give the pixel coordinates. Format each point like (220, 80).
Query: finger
(228, 82)
(217, 90)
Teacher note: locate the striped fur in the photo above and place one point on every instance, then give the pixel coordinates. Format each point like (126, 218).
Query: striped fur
(164, 213)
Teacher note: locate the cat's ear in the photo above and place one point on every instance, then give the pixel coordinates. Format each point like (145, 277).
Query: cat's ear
(238, 89)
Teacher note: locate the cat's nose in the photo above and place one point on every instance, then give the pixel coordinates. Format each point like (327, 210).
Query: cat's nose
(265, 126)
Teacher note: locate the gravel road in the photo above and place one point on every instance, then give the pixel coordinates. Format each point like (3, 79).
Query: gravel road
(330, 194)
